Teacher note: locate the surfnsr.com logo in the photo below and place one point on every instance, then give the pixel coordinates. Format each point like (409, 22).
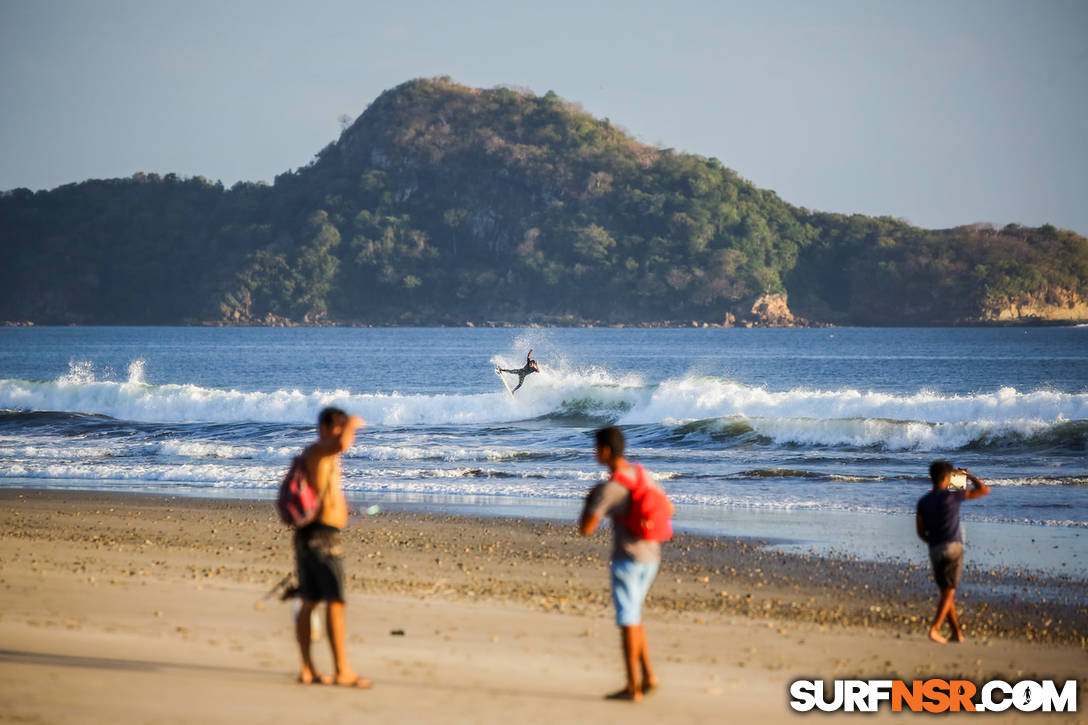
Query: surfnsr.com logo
(934, 695)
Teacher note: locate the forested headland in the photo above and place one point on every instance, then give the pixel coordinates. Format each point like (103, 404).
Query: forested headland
(445, 204)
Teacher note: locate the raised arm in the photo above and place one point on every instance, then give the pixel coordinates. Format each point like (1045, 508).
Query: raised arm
(347, 436)
(343, 440)
(978, 488)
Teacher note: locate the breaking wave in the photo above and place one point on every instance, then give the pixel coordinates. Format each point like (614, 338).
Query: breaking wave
(686, 411)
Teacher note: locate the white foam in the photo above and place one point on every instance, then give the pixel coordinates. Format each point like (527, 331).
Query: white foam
(219, 475)
(923, 420)
(1039, 481)
(136, 370)
(890, 434)
(460, 483)
(191, 403)
(58, 453)
(702, 398)
(79, 372)
(449, 454)
(198, 449)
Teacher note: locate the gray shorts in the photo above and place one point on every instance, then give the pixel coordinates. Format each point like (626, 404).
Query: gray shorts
(947, 562)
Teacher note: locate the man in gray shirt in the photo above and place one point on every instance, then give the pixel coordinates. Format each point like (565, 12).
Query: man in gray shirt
(634, 561)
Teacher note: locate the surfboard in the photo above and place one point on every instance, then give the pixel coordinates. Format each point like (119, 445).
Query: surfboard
(504, 383)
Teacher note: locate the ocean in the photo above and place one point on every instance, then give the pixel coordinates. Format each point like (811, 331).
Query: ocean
(811, 439)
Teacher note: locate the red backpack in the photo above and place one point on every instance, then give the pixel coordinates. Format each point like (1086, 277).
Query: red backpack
(297, 503)
(650, 515)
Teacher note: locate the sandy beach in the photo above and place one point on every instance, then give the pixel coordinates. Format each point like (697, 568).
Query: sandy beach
(135, 608)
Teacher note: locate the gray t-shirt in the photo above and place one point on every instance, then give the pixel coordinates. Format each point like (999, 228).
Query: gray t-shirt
(614, 500)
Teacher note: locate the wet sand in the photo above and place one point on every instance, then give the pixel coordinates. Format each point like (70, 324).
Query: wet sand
(137, 608)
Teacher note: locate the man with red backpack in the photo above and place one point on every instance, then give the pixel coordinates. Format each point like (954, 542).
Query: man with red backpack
(641, 519)
(318, 551)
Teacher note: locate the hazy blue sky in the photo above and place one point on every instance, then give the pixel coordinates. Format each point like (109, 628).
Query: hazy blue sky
(943, 113)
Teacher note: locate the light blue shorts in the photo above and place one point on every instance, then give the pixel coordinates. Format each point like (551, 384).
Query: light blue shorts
(631, 582)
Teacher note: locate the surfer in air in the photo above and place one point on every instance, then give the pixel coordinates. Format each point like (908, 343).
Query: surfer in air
(531, 367)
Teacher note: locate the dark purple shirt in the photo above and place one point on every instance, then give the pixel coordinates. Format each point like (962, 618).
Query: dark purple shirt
(940, 513)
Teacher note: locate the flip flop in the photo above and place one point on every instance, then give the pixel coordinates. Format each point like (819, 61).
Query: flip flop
(359, 682)
(623, 695)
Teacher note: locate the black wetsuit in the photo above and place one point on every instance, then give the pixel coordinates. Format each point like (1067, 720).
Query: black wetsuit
(530, 368)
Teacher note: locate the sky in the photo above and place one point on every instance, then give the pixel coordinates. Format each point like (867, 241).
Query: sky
(941, 112)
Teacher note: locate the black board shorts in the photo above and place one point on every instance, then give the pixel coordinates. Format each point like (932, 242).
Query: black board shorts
(320, 559)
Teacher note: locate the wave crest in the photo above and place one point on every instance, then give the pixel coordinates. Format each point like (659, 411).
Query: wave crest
(692, 410)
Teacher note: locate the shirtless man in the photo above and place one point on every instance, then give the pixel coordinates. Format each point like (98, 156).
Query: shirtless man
(530, 368)
(318, 550)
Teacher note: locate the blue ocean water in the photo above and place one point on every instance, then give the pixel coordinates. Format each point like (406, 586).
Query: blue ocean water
(807, 435)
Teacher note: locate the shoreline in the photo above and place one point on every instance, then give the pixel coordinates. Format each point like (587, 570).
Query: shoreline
(747, 575)
(136, 607)
(1039, 551)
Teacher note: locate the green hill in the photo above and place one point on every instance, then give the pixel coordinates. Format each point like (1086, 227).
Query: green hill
(443, 204)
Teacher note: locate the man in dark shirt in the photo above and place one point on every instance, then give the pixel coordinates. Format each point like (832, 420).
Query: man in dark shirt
(938, 524)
